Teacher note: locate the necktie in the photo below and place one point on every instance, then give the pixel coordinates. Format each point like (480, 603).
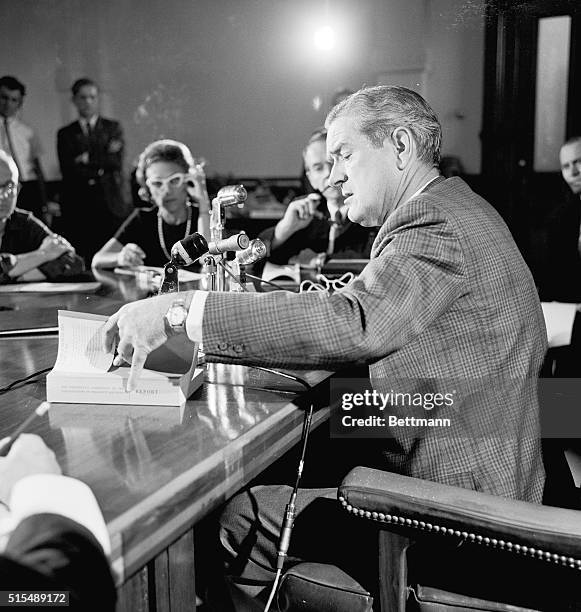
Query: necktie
(90, 133)
(337, 223)
(11, 147)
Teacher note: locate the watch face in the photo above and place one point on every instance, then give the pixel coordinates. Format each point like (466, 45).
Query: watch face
(177, 314)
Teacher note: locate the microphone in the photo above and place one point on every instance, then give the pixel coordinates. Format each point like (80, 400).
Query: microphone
(238, 242)
(185, 252)
(255, 251)
(231, 194)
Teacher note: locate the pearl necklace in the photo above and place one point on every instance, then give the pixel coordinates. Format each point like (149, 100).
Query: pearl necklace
(160, 231)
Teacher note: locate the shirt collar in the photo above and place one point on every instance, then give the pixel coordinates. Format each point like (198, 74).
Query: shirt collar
(86, 122)
(422, 188)
(333, 208)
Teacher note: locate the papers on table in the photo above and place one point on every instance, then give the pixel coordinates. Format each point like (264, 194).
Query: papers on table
(290, 271)
(44, 287)
(184, 276)
(559, 318)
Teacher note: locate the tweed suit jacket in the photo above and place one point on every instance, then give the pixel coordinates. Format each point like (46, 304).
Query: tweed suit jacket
(446, 305)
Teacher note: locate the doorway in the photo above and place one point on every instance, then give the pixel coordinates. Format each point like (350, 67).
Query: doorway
(532, 97)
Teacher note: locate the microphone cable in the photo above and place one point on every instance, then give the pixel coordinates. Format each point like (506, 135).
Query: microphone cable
(270, 283)
(237, 280)
(23, 381)
(298, 379)
(290, 509)
(254, 278)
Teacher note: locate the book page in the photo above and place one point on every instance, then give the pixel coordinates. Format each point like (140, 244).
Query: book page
(81, 343)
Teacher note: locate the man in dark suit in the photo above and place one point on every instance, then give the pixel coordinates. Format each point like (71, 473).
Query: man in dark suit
(446, 308)
(309, 229)
(90, 152)
(54, 537)
(559, 278)
(562, 271)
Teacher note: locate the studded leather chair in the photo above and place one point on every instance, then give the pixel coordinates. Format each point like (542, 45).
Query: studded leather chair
(446, 549)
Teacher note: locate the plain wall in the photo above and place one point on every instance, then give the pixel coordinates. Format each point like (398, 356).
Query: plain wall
(236, 80)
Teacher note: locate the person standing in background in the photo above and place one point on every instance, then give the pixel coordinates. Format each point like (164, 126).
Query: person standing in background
(21, 143)
(90, 152)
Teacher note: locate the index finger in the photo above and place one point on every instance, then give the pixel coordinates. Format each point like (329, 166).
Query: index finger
(110, 331)
(137, 363)
(313, 200)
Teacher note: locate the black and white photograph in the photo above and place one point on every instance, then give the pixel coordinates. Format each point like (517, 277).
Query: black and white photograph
(290, 297)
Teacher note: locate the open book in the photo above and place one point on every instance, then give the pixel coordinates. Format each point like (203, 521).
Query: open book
(84, 374)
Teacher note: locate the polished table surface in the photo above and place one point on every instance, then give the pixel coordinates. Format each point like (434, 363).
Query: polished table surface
(155, 470)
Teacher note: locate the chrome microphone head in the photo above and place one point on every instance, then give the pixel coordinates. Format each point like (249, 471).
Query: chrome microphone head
(255, 252)
(232, 194)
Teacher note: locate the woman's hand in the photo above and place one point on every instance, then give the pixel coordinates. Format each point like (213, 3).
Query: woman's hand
(197, 187)
(54, 246)
(130, 255)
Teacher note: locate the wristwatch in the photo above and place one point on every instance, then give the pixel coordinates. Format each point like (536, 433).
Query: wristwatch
(176, 316)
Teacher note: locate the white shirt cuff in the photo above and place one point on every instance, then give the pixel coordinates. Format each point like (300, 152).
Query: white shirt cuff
(54, 494)
(196, 316)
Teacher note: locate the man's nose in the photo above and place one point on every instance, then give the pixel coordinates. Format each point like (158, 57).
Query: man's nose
(576, 168)
(337, 175)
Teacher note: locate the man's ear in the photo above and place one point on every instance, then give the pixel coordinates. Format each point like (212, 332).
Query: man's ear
(403, 142)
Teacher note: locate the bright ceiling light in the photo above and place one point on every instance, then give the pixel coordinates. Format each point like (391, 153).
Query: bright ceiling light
(325, 38)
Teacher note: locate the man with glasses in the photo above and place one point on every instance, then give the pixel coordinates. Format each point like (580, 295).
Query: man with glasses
(90, 152)
(21, 142)
(28, 249)
(309, 229)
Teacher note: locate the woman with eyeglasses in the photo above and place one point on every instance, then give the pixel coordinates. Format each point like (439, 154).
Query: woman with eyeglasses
(175, 184)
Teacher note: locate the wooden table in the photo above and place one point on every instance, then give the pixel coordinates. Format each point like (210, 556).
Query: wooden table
(155, 471)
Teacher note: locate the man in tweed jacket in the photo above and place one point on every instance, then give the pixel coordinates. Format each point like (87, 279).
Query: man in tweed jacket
(445, 304)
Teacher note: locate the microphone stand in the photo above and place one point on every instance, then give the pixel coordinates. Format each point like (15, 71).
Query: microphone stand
(227, 196)
(170, 282)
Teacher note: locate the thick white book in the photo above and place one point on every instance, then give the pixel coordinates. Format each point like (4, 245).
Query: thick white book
(84, 373)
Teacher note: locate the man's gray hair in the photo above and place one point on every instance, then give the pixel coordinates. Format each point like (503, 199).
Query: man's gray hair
(571, 140)
(379, 110)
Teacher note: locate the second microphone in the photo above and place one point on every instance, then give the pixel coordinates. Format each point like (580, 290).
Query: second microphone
(192, 247)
